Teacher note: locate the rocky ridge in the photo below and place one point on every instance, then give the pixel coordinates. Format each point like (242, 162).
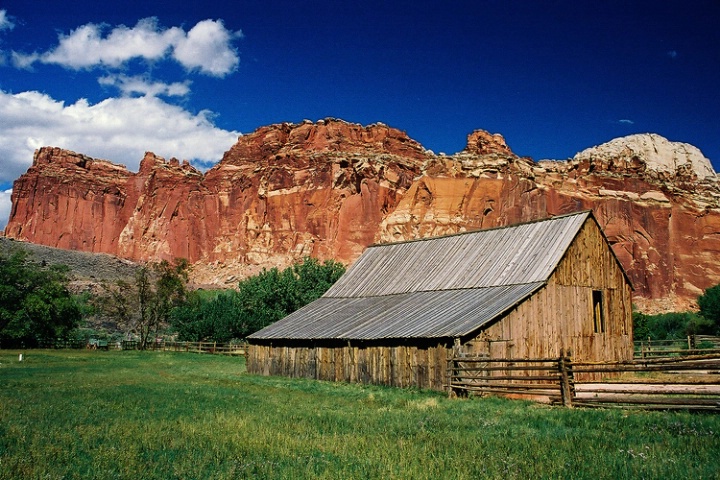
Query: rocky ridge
(330, 188)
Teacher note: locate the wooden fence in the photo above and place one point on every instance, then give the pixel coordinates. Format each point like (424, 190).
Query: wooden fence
(167, 346)
(690, 382)
(75, 344)
(544, 379)
(192, 347)
(692, 344)
(204, 347)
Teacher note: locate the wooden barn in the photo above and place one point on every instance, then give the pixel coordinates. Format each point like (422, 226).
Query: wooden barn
(403, 309)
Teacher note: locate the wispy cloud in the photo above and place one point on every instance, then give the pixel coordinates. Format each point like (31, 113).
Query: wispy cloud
(5, 22)
(206, 48)
(117, 129)
(142, 85)
(626, 121)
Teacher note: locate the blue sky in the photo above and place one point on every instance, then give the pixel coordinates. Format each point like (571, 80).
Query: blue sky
(114, 79)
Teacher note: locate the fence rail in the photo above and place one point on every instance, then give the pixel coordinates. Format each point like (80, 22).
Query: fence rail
(540, 378)
(206, 347)
(58, 344)
(690, 382)
(691, 345)
(194, 347)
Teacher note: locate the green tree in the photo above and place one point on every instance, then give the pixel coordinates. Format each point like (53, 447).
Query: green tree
(35, 303)
(272, 295)
(143, 307)
(259, 301)
(208, 316)
(709, 303)
(641, 329)
(669, 326)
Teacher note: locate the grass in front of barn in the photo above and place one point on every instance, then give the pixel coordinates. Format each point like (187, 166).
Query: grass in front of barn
(78, 414)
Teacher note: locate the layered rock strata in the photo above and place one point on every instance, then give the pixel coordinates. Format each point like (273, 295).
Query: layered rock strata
(281, 193)
(330, 188)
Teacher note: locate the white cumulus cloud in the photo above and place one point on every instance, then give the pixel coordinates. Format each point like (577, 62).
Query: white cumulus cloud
(117, 129)
(206, 48)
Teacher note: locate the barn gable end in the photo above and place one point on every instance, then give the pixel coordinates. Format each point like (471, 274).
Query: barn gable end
(561, 316)
(402, 309)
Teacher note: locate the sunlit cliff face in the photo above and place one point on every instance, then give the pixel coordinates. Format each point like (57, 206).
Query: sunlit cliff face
(330, 188)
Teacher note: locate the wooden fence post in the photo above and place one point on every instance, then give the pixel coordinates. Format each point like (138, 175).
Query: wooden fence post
(566, 390)
(455, 392)
(452, 370)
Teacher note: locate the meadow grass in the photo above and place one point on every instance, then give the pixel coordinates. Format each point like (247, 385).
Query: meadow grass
(147, 415)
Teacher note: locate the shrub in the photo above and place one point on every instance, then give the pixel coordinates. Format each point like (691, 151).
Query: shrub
(709, 303)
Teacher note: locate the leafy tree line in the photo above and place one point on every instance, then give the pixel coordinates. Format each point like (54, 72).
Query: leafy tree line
(36, 306)
(678, 325)
(35, 303)
(259, 301)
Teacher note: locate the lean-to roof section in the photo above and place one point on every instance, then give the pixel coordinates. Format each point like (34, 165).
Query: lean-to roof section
(433, 314)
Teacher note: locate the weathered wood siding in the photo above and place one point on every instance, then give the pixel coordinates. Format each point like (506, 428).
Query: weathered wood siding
(560, 315)
(398, 366)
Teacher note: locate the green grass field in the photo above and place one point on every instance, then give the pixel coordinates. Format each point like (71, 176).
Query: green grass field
(144, 415)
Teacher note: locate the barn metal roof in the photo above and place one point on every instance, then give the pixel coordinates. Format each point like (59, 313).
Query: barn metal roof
(438, 287)
(436, 314)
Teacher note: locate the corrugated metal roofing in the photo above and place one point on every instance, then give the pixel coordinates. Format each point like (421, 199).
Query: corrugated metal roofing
(524, 253)
(436, 314)
(431, 288)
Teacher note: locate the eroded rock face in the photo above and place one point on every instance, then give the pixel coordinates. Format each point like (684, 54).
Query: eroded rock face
(662, 158)
(330, 188)
(281, 193)
(659, 207)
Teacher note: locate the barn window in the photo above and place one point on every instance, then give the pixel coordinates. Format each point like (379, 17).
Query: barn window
(598, 313)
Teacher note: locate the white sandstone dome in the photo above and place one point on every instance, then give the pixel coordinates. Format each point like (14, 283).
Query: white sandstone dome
(658, 153)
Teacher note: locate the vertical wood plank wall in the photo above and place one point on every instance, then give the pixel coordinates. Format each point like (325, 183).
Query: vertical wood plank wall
(560, 315)
(398, 366)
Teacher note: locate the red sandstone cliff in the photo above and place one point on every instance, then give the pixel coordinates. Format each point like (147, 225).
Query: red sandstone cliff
(331, 188)
(281, 193)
